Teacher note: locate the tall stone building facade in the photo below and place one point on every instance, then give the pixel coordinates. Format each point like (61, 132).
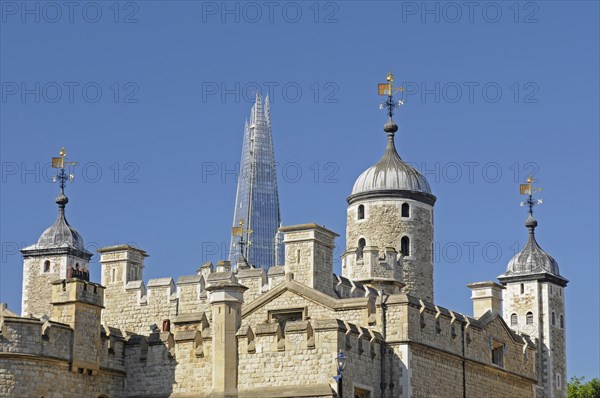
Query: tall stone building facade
(228, 331)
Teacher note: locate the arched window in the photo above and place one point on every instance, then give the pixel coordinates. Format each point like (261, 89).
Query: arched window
(47, 266)
(405, 210)
(529, 318)
(361, 212)
(361, 245)
(514, 319)
(405, 246)
(562, 321)
(553, 319)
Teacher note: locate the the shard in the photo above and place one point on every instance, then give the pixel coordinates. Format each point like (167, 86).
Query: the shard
(256, 216)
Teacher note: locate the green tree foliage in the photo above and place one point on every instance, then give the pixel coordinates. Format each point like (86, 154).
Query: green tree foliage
(578, 388)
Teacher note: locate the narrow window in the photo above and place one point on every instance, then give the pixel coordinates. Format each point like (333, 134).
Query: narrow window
(405, 246)
(113, 275)
(47, 266)
(558, 381)
(562, 321)
(553, 319)
(498, 354)
(529, 318)
(522, 288)
(514, 319)
(361, 212)
(361, 245)
(405, 210)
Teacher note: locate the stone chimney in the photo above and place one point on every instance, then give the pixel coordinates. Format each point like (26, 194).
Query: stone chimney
(309, 255)
(223, 266)
(486, 296)
(225, 296)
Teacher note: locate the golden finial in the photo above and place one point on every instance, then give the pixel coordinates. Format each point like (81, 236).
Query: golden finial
(529, 190)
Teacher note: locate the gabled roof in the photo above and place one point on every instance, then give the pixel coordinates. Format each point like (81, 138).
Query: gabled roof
(307, 293)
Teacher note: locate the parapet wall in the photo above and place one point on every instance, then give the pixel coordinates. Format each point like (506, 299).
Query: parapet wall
(411, 319)
(303, 353)
(176, 361)
(39, 351)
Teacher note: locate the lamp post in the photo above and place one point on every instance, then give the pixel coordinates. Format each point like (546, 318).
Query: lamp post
(341, 365)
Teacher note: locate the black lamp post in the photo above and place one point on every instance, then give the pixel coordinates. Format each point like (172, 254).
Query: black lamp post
(341, 365)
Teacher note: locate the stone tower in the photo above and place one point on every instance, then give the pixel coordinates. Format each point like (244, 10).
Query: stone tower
(58, 254)
(79, 304)
(389, 227)
(534, 304)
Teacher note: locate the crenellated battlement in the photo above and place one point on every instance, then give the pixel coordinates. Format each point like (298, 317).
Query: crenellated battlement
(45, 339)
(72, 290)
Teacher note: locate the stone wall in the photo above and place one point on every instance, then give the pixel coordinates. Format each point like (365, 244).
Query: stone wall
(53, 379)
(303, 353)
(39, 352)
(164, 364)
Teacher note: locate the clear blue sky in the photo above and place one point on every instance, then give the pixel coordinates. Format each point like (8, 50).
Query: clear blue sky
(151, 97)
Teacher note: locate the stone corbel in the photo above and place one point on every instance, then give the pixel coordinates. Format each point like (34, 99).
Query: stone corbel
(45, 332)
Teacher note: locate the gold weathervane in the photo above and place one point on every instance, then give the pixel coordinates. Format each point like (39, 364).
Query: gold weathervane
(388, 89)
(239, 231)
(529, 190)
(60, 163)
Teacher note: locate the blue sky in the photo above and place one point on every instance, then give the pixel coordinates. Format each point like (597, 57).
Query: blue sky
(151, 97)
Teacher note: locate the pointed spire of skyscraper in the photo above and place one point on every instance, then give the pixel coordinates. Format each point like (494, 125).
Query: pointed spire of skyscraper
(257, 197)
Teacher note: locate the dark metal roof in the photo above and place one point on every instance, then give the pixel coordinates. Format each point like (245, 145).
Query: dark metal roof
(61, 233)
(532, 259)
(391, 173)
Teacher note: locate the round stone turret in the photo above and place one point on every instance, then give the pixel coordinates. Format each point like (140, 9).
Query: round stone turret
(389, 230)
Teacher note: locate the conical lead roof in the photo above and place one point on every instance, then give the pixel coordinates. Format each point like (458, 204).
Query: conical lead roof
(532, 259)
(61, 233)
(391, 172)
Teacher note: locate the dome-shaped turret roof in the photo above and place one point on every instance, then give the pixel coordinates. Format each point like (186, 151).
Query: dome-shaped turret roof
(532, 259)
(61, 233)
(391, 173)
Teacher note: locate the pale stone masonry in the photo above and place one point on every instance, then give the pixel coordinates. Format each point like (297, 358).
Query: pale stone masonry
(239, 331)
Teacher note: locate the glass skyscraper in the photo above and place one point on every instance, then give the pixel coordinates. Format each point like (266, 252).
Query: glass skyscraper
(257, 200)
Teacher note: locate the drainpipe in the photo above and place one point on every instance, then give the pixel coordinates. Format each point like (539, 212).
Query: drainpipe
(464, 372)
(383, 334)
